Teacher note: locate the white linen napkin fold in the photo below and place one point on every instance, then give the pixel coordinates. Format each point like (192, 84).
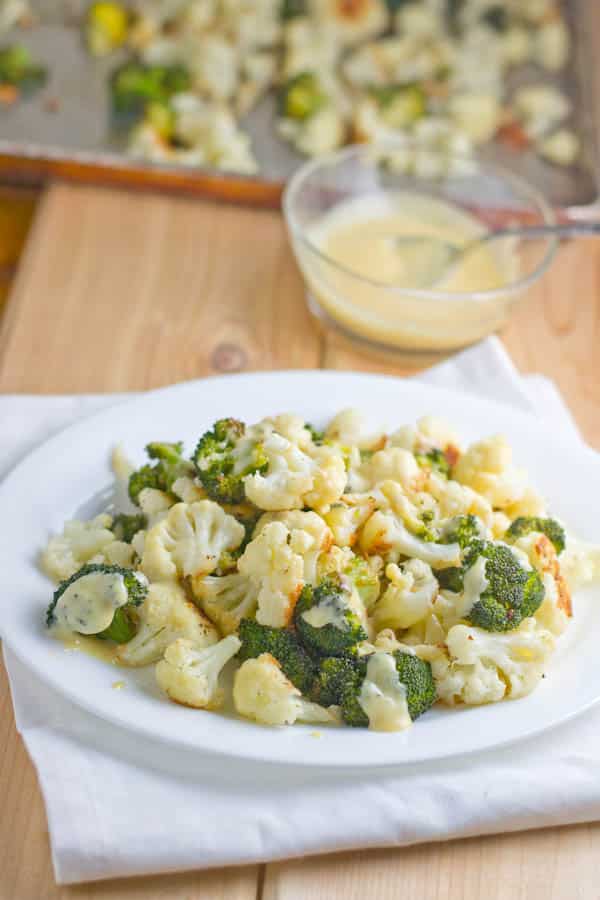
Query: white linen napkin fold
(117, 806)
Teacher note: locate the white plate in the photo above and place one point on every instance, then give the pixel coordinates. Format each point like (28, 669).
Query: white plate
(56, 481)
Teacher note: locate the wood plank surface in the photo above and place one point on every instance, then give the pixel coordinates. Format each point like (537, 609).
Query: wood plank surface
(119, 292)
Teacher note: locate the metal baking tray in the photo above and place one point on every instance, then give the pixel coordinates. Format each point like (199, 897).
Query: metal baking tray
(65, 129)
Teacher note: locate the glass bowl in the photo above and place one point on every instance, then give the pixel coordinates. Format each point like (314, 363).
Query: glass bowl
(413, 321)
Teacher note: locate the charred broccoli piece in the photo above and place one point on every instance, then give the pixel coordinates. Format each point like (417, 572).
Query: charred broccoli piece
(336, 676)
(400, 104)
(435, 460)
(550, 527)
(326, 619)
(496, 17)
(18, 69)
(317, 436)
(414, 673)
(169, 466)
(136, 84)
(125, 527)
(224, 456)
(301, 96)
(283, 645)
(99, 600)
(292, 9)
(512, 593)
(462, 530)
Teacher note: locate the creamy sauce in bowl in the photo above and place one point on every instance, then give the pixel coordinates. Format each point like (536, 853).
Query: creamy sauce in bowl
(363, 278)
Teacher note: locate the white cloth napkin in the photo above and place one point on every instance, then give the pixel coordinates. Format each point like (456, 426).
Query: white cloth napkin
(117, 806)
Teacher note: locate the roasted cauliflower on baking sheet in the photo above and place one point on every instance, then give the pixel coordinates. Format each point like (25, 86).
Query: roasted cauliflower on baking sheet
(452, 74)
(350, 576)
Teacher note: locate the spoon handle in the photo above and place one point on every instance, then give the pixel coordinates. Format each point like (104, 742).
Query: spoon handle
(566, 230)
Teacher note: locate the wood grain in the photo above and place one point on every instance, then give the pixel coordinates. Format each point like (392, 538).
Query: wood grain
(130, 292)
(120, 292)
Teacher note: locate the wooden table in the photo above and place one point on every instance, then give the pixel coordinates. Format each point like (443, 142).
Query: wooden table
(128, 292)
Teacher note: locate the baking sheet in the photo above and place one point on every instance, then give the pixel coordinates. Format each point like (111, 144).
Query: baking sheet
(66, 128)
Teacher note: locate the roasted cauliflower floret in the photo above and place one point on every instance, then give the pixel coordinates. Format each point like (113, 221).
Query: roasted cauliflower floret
(349, 429)
(395, 464)
(84, 542)
(294, 479)
(351, 23)
(154, 504)
(408, 597)
(277, 571)
(226, 600)
(189, 674)
(310, 536)
(580, 563)
(262, 692)
(190, 541)
(429, 432)
(347, 516)
(288, 477)
(487, 467)
(165, 615)
(386, 533)
(483, 668)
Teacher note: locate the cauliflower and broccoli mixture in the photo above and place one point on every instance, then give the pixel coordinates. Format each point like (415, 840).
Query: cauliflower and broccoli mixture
(439, 71)
(352, 577)
(342, 71)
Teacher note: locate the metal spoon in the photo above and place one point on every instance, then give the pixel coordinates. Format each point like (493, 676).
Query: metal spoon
(437, 257)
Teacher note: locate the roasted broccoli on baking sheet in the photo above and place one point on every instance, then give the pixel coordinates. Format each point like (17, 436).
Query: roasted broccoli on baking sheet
(136, 84)
(19, 70)
(301, 96)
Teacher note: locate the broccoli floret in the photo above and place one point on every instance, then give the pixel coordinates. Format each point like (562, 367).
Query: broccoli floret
(326, 619)
(400, 105)
(364, 579)
(169, 466)
(301, 97)
(292, 9)
(83, 601)
(135, 84)
(450, 579)
(317, 436)
(283, 645)
(550, 527)
(223, 458)
(169, 453)
(416, 676)
(18, 69)
(434, 459)
(462, 530)
(336, 675)
(512, 594)
(496, 17)
(125, 527)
